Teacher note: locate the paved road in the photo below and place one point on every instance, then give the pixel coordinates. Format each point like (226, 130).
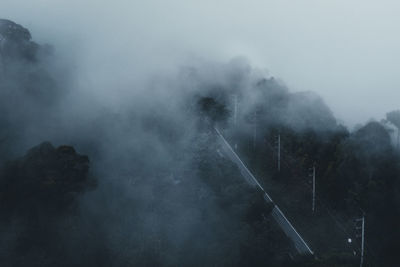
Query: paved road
(299, 243)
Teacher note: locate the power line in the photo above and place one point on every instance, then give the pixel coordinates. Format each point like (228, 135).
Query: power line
(341, 226)
(330, 213)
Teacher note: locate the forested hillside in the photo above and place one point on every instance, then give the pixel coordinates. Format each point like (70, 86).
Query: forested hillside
(141, 179)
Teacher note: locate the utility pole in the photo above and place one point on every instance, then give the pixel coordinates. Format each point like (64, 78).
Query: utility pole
(235, 115)
(312, 175)
(235, 109)
(313, 189)
(362, 241)
(279, 153)
(277, 146)
(255, 130)
(362, 228)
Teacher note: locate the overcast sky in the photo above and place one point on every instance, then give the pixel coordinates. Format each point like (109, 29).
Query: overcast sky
(346, 50)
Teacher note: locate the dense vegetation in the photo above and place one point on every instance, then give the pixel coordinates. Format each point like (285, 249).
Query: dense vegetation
(160, 191)
(357, 172)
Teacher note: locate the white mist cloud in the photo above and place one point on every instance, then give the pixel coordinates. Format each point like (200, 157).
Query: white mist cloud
(347, 51)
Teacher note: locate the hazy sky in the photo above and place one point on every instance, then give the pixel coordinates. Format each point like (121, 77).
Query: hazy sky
(346, 50)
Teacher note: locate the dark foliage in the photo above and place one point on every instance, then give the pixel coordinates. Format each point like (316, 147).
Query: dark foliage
(45, 180)
(15, 42)
(179, 202)
(213, 110)
(27, 90)
(264, 243)
(356, 172)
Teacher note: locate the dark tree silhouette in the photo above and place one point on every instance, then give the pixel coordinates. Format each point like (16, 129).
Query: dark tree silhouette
(214, 110)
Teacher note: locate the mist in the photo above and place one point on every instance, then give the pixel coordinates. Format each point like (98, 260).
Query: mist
(127, 181)
(341, 50)
(139, 87)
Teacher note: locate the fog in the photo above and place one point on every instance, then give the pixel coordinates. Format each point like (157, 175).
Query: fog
(137, 87)
(345, 51)
(148, 150)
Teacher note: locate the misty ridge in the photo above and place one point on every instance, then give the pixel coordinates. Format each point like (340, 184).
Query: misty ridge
(137, 177)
